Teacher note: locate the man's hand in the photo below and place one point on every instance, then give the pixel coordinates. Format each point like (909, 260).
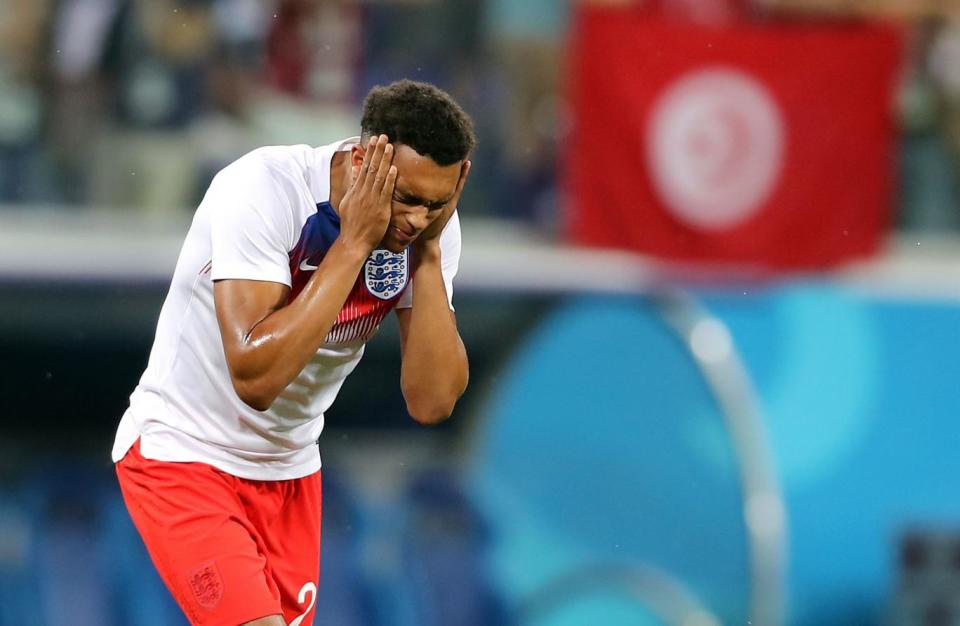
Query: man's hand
(365, 208)
(432, 232)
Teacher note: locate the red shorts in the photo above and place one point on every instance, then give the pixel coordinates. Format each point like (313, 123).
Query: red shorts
(231, 550)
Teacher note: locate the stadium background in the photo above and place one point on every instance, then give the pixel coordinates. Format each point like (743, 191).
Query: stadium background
(645, 441)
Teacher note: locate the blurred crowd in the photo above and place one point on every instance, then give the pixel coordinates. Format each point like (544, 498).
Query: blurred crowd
(137, 103)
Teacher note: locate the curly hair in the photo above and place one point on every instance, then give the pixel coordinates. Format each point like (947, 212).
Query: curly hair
(421, 116)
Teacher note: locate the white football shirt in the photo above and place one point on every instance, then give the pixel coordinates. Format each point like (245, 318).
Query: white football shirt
(266, 216)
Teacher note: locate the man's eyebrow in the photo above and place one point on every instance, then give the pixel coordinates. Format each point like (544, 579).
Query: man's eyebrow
(409, 198)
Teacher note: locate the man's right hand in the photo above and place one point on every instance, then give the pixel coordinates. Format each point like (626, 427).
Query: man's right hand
(365, 208)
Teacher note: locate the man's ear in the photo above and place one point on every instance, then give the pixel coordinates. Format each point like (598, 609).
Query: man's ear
(357, 152)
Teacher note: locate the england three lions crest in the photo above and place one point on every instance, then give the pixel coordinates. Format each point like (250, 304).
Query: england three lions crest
(386, 273)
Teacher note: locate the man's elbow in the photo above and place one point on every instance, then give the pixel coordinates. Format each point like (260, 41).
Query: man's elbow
(432, 402)
(254, 395)
(257, 403)
(430, 409)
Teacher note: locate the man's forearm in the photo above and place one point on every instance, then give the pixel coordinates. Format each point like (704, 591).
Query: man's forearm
(276, 349)
(434, 372)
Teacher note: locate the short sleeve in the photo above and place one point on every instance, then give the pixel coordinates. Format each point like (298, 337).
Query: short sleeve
(450, 246)
(250, 224)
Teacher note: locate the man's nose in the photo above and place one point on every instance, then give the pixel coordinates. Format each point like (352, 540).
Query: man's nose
(419, 218)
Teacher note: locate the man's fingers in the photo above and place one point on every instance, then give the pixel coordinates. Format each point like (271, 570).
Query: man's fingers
(367, 155)
(386, 193)
(373, 167)
(383, 168)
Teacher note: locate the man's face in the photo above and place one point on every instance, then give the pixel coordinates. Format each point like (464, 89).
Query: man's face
(423, 189)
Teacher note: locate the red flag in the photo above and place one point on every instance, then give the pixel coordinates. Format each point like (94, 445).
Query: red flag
(763, 144)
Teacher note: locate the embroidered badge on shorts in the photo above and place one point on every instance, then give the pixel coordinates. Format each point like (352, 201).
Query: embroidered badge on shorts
(385, 273)
(206, 585)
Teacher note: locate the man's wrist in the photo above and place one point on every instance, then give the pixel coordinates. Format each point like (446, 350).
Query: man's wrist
(352, 251)
(427, 252)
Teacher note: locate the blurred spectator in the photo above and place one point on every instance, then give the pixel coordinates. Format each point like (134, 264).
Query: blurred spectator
(82, 33)
(527, 43)
(313, 49)
(160, 69)
(227, 128)
(21, 104)
(929, 189)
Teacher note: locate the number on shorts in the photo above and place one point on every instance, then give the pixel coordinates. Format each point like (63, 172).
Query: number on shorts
(312, 590)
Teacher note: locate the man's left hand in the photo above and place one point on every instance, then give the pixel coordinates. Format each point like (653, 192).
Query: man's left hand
(432, 232)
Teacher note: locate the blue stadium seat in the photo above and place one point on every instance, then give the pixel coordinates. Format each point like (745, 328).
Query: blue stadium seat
(344, 595)
(136, 594)
(62, 503)
(443, 549)
(18, 584)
